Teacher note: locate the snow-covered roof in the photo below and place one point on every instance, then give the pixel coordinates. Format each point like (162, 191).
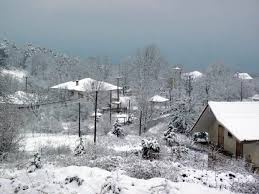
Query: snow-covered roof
(158, 98)
(177, 68)
(243, 76)
(240, 118)
(87, 85)
(193, 74)
(17, 74)
(97, 114)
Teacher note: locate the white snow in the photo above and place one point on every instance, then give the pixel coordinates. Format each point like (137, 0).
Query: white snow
(255, 97)
(243, 76)
(158, 99)
(20, 97)
(17, 74)
(193, 74)
(97, 114)
(86, 85)
(33, 143)
(240, 118)
(51, 179)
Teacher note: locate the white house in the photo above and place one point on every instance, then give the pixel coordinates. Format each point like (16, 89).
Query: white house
(234, 126)
(86, 85)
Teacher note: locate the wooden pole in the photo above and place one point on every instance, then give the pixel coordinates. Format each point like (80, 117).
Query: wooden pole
(95, 115)
(26, 83)
(129, 107)
(110, 106)
(79, 122)
(118, 92)
(140, 124)
(241, 91)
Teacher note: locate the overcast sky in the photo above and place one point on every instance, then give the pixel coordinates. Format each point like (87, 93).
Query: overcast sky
(190, 32)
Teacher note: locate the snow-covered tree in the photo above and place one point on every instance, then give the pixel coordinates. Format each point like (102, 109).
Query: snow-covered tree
(150, 148)
(117, 129)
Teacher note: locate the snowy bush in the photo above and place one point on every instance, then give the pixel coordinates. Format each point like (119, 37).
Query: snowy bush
(76, 179)
(9, 133)
(20, 187)
(170, 137)
(80, 149)
(117, 129)
(111, 186)
(35, 164)
(163, 188)
(109, 163)
(201, 137)
(179, 151)
(144, 169)
(183, 115)
(150, 149)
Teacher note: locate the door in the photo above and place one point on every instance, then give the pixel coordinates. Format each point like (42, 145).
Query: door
(239, 149)
(221, 136)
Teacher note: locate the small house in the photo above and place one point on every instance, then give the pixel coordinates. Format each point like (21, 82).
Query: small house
(233, 126)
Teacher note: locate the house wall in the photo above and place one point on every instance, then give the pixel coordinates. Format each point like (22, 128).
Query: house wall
(229, 143)
(213, 132)
(205, 121)
(252, 149)
(208, 123)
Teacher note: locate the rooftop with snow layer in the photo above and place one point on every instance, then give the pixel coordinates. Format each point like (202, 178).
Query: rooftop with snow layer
(158, 98)
(240, 118)
(243, 76)
(87, 85)
(193, 74)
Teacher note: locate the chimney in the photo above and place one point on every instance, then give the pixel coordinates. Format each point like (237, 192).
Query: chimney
(77, 81)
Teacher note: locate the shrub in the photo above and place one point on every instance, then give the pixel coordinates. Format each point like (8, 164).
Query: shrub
(179, 151)
(111, 186)
(76, 179)
(170, 137)
(109, 163)
(80, 149)
(144, 170)
(35, 164)
(117, 129)
(150, 149)
(9, 135)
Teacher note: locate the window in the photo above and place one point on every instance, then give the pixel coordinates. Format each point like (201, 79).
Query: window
(230, 135)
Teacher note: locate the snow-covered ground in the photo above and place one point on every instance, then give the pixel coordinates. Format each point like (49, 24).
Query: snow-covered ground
(51, 179)
(33, 143)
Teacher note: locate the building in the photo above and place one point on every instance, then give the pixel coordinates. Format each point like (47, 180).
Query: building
(243, 76)
(78, 88)
(234, 126)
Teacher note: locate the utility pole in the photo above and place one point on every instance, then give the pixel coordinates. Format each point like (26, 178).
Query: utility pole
(118, 91)
(79, 122)
(26, 84)
(95, 115)
(241, 91)
(110, 106)
(140, 122)
(129, 107)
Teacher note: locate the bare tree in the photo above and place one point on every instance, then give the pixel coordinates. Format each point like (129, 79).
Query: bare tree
(147, 66)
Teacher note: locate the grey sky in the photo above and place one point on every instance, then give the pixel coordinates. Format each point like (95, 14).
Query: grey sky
(191, 32)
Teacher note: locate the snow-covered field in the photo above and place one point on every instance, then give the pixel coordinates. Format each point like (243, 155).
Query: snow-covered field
(34, 143)
(52, 180)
